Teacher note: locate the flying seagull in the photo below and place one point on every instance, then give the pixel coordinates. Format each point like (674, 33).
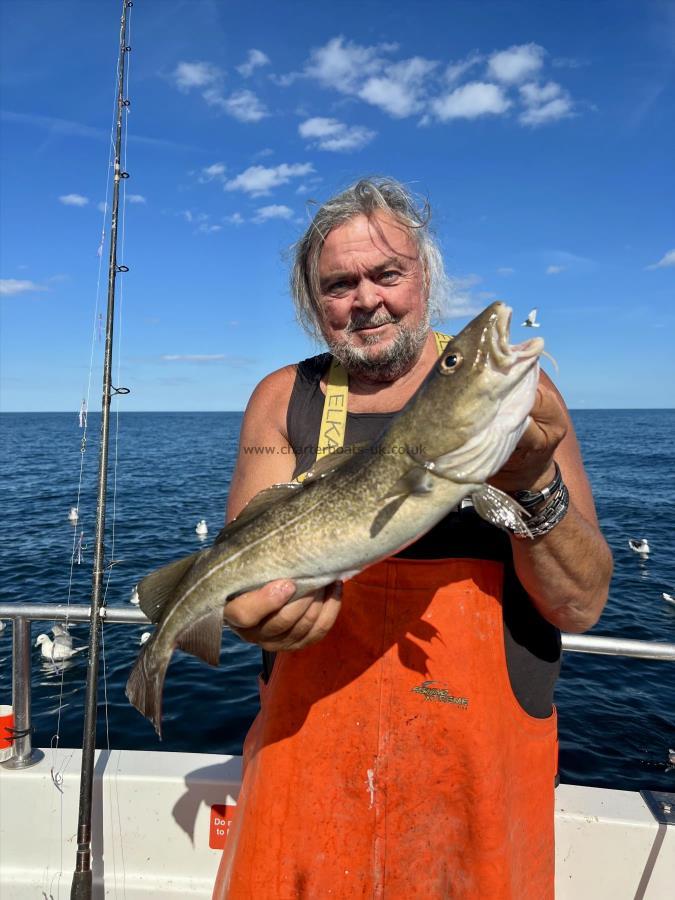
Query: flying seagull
(530, 320)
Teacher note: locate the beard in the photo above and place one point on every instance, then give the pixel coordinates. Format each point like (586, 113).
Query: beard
(392, 361)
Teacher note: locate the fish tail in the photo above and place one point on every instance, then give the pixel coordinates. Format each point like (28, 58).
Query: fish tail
(146, 685)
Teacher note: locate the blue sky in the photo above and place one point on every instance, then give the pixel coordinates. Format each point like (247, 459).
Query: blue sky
(542, 133)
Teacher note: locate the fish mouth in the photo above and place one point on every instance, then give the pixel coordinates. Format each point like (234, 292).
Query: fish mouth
(503, 355)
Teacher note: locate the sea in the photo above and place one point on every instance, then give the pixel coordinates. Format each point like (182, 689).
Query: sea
(170, 470)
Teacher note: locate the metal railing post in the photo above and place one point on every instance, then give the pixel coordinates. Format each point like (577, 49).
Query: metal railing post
(24, 755)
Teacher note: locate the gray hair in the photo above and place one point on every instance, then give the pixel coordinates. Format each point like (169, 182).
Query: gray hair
(366, 197)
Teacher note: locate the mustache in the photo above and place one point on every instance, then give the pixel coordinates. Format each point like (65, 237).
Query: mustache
(360, 320)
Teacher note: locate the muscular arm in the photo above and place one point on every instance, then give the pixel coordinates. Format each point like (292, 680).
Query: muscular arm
(567, 571)
(265, 616)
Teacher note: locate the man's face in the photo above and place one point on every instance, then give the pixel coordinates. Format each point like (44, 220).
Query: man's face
(373, 297)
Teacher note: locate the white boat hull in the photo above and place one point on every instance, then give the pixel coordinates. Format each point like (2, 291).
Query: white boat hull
(153, 825)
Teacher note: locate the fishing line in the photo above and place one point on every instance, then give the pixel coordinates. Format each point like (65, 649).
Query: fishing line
(83, 443)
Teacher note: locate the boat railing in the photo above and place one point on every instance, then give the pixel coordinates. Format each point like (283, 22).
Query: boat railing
(22, 614)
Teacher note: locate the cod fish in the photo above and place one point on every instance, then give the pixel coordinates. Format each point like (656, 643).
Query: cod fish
(355, 509)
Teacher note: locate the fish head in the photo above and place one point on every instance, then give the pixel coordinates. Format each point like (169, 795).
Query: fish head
(479, 394)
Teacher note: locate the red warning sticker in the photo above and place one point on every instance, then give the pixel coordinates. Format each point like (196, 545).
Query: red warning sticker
(221, 816)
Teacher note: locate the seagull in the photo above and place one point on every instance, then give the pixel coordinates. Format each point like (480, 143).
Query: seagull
(641, 546)
(56, 649)
(145, 637)
(73, 515)
(668, 598)
(62, 635)
(530, 320)
(134, 599)
(202, 527)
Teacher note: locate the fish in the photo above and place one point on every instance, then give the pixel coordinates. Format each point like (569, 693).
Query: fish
(357, 507)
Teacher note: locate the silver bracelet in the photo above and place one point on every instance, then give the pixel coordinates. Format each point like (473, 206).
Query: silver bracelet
(551, 514)
(534, 498)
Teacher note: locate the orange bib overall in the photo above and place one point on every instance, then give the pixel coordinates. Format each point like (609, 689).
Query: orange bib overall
(392, 760)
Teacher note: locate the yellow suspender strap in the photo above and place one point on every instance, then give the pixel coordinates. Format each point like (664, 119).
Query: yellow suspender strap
(442, 341)
(334, 416)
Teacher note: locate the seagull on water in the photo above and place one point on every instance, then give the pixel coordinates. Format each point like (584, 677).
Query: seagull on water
(668, 598)
(530, 321)
(56, 649)
(73, 515)
(202, 527)
(145, 637)
(134, 599)
(641, 546)
(62, 634)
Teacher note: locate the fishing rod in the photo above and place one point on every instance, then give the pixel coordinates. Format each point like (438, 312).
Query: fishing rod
(81, 887)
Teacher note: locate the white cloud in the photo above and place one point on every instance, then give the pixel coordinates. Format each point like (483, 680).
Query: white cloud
(256, 59)
(344, 66)
(477, 98)
(400, 90)
(135, 198)
(397, 88)
(667, 260)
(505, 270)
(330, 134)
(235, 219)
(73, 200)
(544, 103)
(461, 299)
(243, 105)
(11, 286)
(517, 63)
(259, 180)
(555, 270)
(454, 71)
(200, 221)
(275, 211)
(188, 75)
(213, 172)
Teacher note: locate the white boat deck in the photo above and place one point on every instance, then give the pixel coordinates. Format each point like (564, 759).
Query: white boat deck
(154, 826)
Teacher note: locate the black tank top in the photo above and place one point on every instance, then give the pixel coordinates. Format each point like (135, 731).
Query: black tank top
(532, 645)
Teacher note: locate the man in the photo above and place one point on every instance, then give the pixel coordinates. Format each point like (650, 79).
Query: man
(407, 746)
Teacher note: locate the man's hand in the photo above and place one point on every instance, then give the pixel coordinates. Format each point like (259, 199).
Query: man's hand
(530, 466)
(265, 617)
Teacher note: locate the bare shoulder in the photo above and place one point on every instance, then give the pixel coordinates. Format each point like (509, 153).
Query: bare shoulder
(265, 456)
(268, 404)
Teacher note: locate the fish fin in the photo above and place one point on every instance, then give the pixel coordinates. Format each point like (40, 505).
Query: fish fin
(332, 461)
(499, 509)
(203, 637)
(386, 513)
(157, 588)
(415, 481)
(263, 500)
(145, 688)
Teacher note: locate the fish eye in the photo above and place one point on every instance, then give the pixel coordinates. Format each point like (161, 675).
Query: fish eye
(451, 362)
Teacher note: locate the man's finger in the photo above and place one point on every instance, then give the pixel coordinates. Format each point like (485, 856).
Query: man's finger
(248, 610)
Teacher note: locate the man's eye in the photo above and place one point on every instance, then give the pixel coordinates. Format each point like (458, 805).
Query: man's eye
(389, 276)
(338, 287)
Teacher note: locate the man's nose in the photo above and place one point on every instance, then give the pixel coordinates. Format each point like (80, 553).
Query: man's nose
(367, 296)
